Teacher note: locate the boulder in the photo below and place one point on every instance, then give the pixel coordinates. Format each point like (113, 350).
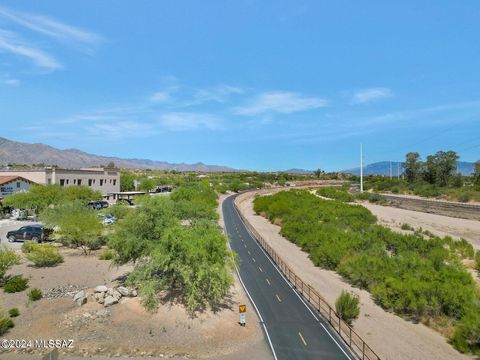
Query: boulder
(123, 290)
(133, 293)
(101, 288)
(79, 295)
(116, 294)
(99, 297)
(109, 301)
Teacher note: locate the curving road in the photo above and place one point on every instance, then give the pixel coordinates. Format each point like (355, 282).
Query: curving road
(294, 331)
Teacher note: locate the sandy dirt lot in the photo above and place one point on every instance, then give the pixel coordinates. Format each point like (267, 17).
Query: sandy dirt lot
(125, 329)
(389, 335)
(437, 224)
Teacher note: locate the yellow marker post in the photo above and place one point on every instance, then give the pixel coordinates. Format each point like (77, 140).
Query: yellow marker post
(242, 309)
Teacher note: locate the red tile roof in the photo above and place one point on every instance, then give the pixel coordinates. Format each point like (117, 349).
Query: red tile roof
(8, 179)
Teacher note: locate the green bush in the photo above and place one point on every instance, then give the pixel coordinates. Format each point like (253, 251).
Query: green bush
(335, 193)
(407, 227)
(5, 324)
(348, 306)
(464, 197)
(372, 197)
(106, 255)
(44, 255)
(35, 294)
(15, 284)
(13, 312)
(8, 258)
(29, 246)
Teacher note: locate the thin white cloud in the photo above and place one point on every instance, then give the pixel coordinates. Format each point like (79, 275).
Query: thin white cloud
(283, 102)
(11, 43)
(161, 97)
(219, 94)
(50, 27)
(370, 95)
(182, 121)
(10, 82)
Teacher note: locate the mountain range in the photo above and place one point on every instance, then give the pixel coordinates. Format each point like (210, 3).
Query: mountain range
(383, 168)
(24, 153)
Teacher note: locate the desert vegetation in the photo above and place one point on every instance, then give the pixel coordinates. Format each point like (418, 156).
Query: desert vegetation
(417, 277)
(435, 177)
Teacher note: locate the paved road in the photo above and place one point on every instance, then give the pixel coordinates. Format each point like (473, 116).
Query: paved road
(294, 331)
(7, 225)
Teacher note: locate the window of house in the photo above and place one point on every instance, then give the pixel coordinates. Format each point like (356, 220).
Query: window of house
(79, 182)
(74, 181)
(62, 182)
(114, 182)
(101, 182)
(49, 181)
(67, 181)
(18, 184)
(90, 182)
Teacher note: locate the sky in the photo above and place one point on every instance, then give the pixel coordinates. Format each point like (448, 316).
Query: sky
(251, 84)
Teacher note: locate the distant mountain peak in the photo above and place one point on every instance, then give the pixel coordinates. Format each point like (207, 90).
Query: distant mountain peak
(25, 153)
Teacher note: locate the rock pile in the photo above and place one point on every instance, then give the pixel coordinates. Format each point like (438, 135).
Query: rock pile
(62, 291)
(105, 295)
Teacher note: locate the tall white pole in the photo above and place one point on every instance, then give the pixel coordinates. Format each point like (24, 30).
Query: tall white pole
(361, 167)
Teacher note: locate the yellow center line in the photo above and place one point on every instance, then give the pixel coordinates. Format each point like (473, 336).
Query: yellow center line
(301, 338)
(278, 298)
(268, 281)
(259, 268)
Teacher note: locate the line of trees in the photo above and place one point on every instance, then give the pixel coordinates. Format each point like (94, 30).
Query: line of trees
(438, 169)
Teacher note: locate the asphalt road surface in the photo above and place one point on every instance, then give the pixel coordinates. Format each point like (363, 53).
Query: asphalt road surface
(294, 331)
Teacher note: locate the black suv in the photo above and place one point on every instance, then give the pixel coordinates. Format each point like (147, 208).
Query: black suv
(35, 233)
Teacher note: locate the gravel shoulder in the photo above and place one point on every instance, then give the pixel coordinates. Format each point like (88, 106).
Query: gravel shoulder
(389, 335)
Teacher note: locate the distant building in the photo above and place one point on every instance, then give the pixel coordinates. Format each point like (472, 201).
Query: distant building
(106, 181)
(11, 184)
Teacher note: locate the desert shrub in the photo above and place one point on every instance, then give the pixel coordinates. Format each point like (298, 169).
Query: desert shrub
(35, 294)
(348, 306)
(372, 197)
(464, 197)
(29, 246)
(44, 255)
(461, 247)
(407, 227)
(15, 284)
(467, 333)
(106, 255)
(5, 324)
(8, 258)
(120, 211)
(477, 260)
(13, 312)
(336, 193)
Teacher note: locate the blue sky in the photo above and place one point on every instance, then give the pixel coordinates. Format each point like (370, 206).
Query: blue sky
(261, 85)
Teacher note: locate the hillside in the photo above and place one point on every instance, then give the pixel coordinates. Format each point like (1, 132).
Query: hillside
(24, 153)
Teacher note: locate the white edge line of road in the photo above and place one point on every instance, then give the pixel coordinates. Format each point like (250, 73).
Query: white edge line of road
(291, 287)
(249, 297)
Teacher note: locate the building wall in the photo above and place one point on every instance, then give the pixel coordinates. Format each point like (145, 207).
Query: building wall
(36, 176)
(104, 180)
(13, 187)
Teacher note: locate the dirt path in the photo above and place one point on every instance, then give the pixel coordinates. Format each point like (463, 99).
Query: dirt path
(437, 224)
(389, 335)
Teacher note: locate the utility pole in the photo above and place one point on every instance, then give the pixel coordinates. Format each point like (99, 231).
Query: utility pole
(361, 168)
(398, 171)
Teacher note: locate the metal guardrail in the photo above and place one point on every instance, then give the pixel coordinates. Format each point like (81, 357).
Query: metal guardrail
(356, 344)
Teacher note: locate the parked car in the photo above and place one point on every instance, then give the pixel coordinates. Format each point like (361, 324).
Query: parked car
(108, 219)
(36, 233)
(97, 205)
